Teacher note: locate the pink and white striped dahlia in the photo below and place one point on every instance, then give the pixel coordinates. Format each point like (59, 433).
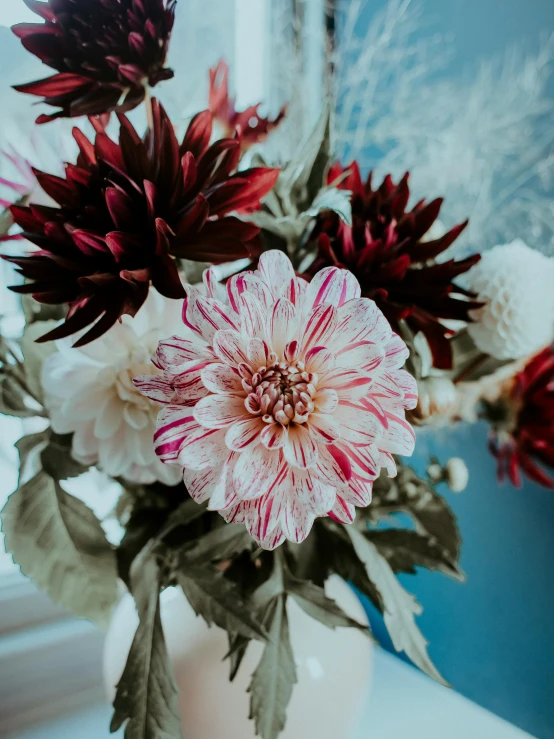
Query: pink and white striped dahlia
(284, 400)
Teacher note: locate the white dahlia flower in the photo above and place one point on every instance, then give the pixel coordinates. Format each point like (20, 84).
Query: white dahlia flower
(284, 400)
(90, 392)
(515, 282)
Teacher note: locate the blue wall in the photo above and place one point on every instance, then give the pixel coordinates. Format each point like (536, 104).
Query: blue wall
(493, 637)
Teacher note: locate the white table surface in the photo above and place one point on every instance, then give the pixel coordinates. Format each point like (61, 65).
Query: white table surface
(426, 711)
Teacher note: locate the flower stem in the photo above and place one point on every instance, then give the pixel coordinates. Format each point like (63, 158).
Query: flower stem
(148, 106)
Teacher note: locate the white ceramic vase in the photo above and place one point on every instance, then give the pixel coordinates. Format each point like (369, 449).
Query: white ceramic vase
(334, 670)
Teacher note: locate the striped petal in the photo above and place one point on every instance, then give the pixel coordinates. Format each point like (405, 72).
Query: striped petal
(230, 347)
(332, 285)
(300, 449)
(218, 411)
(255, 473)
(244, 434)
(221, 378)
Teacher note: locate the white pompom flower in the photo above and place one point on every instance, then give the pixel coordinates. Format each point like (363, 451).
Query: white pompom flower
(515, 282)
(89, 392)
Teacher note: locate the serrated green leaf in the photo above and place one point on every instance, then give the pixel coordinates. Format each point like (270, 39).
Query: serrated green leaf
(218, 601)
(29, 448)
(312, 599)
(274, 678)
(238, 644)
(330, 198)
(146, 696)
(34, 354)
(405, 549)
(60, 543)
(410, 494)
(399, 606)
(57, 459)
(219, 544)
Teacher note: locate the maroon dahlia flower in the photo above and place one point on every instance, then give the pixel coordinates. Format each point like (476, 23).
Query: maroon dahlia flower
(253, 128)
(522, 437)
(385, 251)
(126, 209)
(106, 52)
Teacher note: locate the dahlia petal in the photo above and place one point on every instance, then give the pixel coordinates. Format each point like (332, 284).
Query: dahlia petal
(201, 483)
(207, 316)
(220, 378)
(399, 438)
(320, 327)
(244, 434)
(283, 323)
(349, 384)
(296, 522)
(312, 494)
(357, 493)
(364, 355)
(223, 494)
(256, 473)
(300, 449)
(175, 351)
(326, 400)
(364, 461)
(324, 428)
(342, 511)
(407, 383)
(333, 285)
(359, 320)
(276, 270)
(252, 316)
(173, 426)
(218, 411)
(358, 424)
(387, 461)
(396, 352)
(187, 382)
(296, 291)
(273, 436)
(230, 347)
(248, 282)
(258, 352)
(319, 359)
(155, 387)
(333, 466)
(203, 448)
(265, 513)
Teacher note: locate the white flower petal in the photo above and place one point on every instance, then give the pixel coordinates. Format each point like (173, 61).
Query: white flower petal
(399, 438)
(320, 327)
(326, 400)
(359, 320)
(221, 378)
(252, 316)
(207, 315)
(319, 359)
(276, 270)
(203, 448)
(273, 436)
(300, 449)
(324, 427)
(217, 411)
(255, 473)
(282, 327)
(230, 347)
(332, 285)
(244, 434)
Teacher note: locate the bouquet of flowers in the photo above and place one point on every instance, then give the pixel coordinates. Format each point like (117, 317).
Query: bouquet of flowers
(256, 414)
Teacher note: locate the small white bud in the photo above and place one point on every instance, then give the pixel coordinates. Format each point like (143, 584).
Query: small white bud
(456, 474)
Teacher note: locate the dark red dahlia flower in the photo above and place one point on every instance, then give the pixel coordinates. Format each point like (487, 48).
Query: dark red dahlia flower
(126, 209)
(385, 251)
(105, 52)
(522, 436)
(253, 128)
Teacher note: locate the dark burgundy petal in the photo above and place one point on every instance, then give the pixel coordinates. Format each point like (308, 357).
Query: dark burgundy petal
(198, 135)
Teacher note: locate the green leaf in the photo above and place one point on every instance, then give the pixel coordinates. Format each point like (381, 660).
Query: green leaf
(238, 644)
(218, 601)
(307, 169)
(146, 695)
(219, 544)
(273, 680)
(60, 543)
(405, 549)
(312, 599)
(29, 448)
(410, 494)
(57, 459)
(399, 606)
(330, 198)
(34, 354)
